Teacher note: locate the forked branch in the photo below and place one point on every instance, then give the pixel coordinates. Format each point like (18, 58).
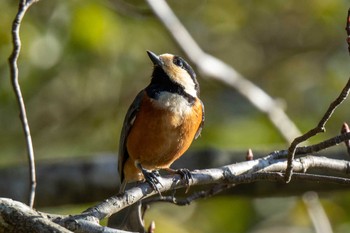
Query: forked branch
(318, 129)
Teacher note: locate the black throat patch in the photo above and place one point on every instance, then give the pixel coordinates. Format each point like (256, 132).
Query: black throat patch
(161, 82)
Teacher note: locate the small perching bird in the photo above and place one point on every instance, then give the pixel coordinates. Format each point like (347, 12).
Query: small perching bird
(161, 123)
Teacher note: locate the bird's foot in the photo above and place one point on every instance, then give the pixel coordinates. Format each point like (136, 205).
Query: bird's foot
(185, 174)
(151, 177)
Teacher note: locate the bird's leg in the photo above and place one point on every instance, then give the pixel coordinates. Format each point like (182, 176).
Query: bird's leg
(151, 177)
(184, 173)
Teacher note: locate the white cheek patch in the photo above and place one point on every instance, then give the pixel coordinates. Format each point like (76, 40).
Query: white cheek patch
(178, 75)
(182, 77)
(188, 84)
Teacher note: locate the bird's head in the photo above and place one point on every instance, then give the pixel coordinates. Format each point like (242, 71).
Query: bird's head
(172, 73)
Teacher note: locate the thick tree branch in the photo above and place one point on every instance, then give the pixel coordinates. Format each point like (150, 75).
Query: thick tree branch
(16, 41)
(18, 217)
(216, 69)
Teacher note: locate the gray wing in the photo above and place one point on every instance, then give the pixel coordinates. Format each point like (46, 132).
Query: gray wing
(199, 130)
(128, 122)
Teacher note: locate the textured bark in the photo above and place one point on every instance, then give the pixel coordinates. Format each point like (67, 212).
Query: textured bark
(18, 217)
(68, 181)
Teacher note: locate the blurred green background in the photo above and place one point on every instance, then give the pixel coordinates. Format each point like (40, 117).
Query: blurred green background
(83, 62)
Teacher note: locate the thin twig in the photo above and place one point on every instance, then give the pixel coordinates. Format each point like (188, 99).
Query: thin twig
(318, 129)
(347, 28)
(193, 197)
(302, 150)
(345, 129)
(16, 41)
(213, 67)
(279, 176)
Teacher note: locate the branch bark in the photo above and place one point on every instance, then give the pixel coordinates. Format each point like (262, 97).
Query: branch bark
(18, 217)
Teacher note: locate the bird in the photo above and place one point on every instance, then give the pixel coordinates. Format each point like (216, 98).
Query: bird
(161, 123)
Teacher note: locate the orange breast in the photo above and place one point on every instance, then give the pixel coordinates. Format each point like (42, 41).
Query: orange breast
(159, 136)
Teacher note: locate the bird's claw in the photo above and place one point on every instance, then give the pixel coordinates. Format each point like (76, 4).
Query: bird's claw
(151, 177)
(186, 175)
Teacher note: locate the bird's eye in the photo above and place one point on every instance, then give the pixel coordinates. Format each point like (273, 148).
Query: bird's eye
(178, 61)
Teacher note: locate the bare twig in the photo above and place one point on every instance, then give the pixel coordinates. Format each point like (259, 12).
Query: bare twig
(16, 41)
(347, 28)
(318, 129)
(302, 150)
(212, 67)
(345, 129)
(193, 197)
(188, 200)
(316, 212)
(279, 176)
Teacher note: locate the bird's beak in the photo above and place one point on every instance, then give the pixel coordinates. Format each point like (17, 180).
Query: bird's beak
(154, 58)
